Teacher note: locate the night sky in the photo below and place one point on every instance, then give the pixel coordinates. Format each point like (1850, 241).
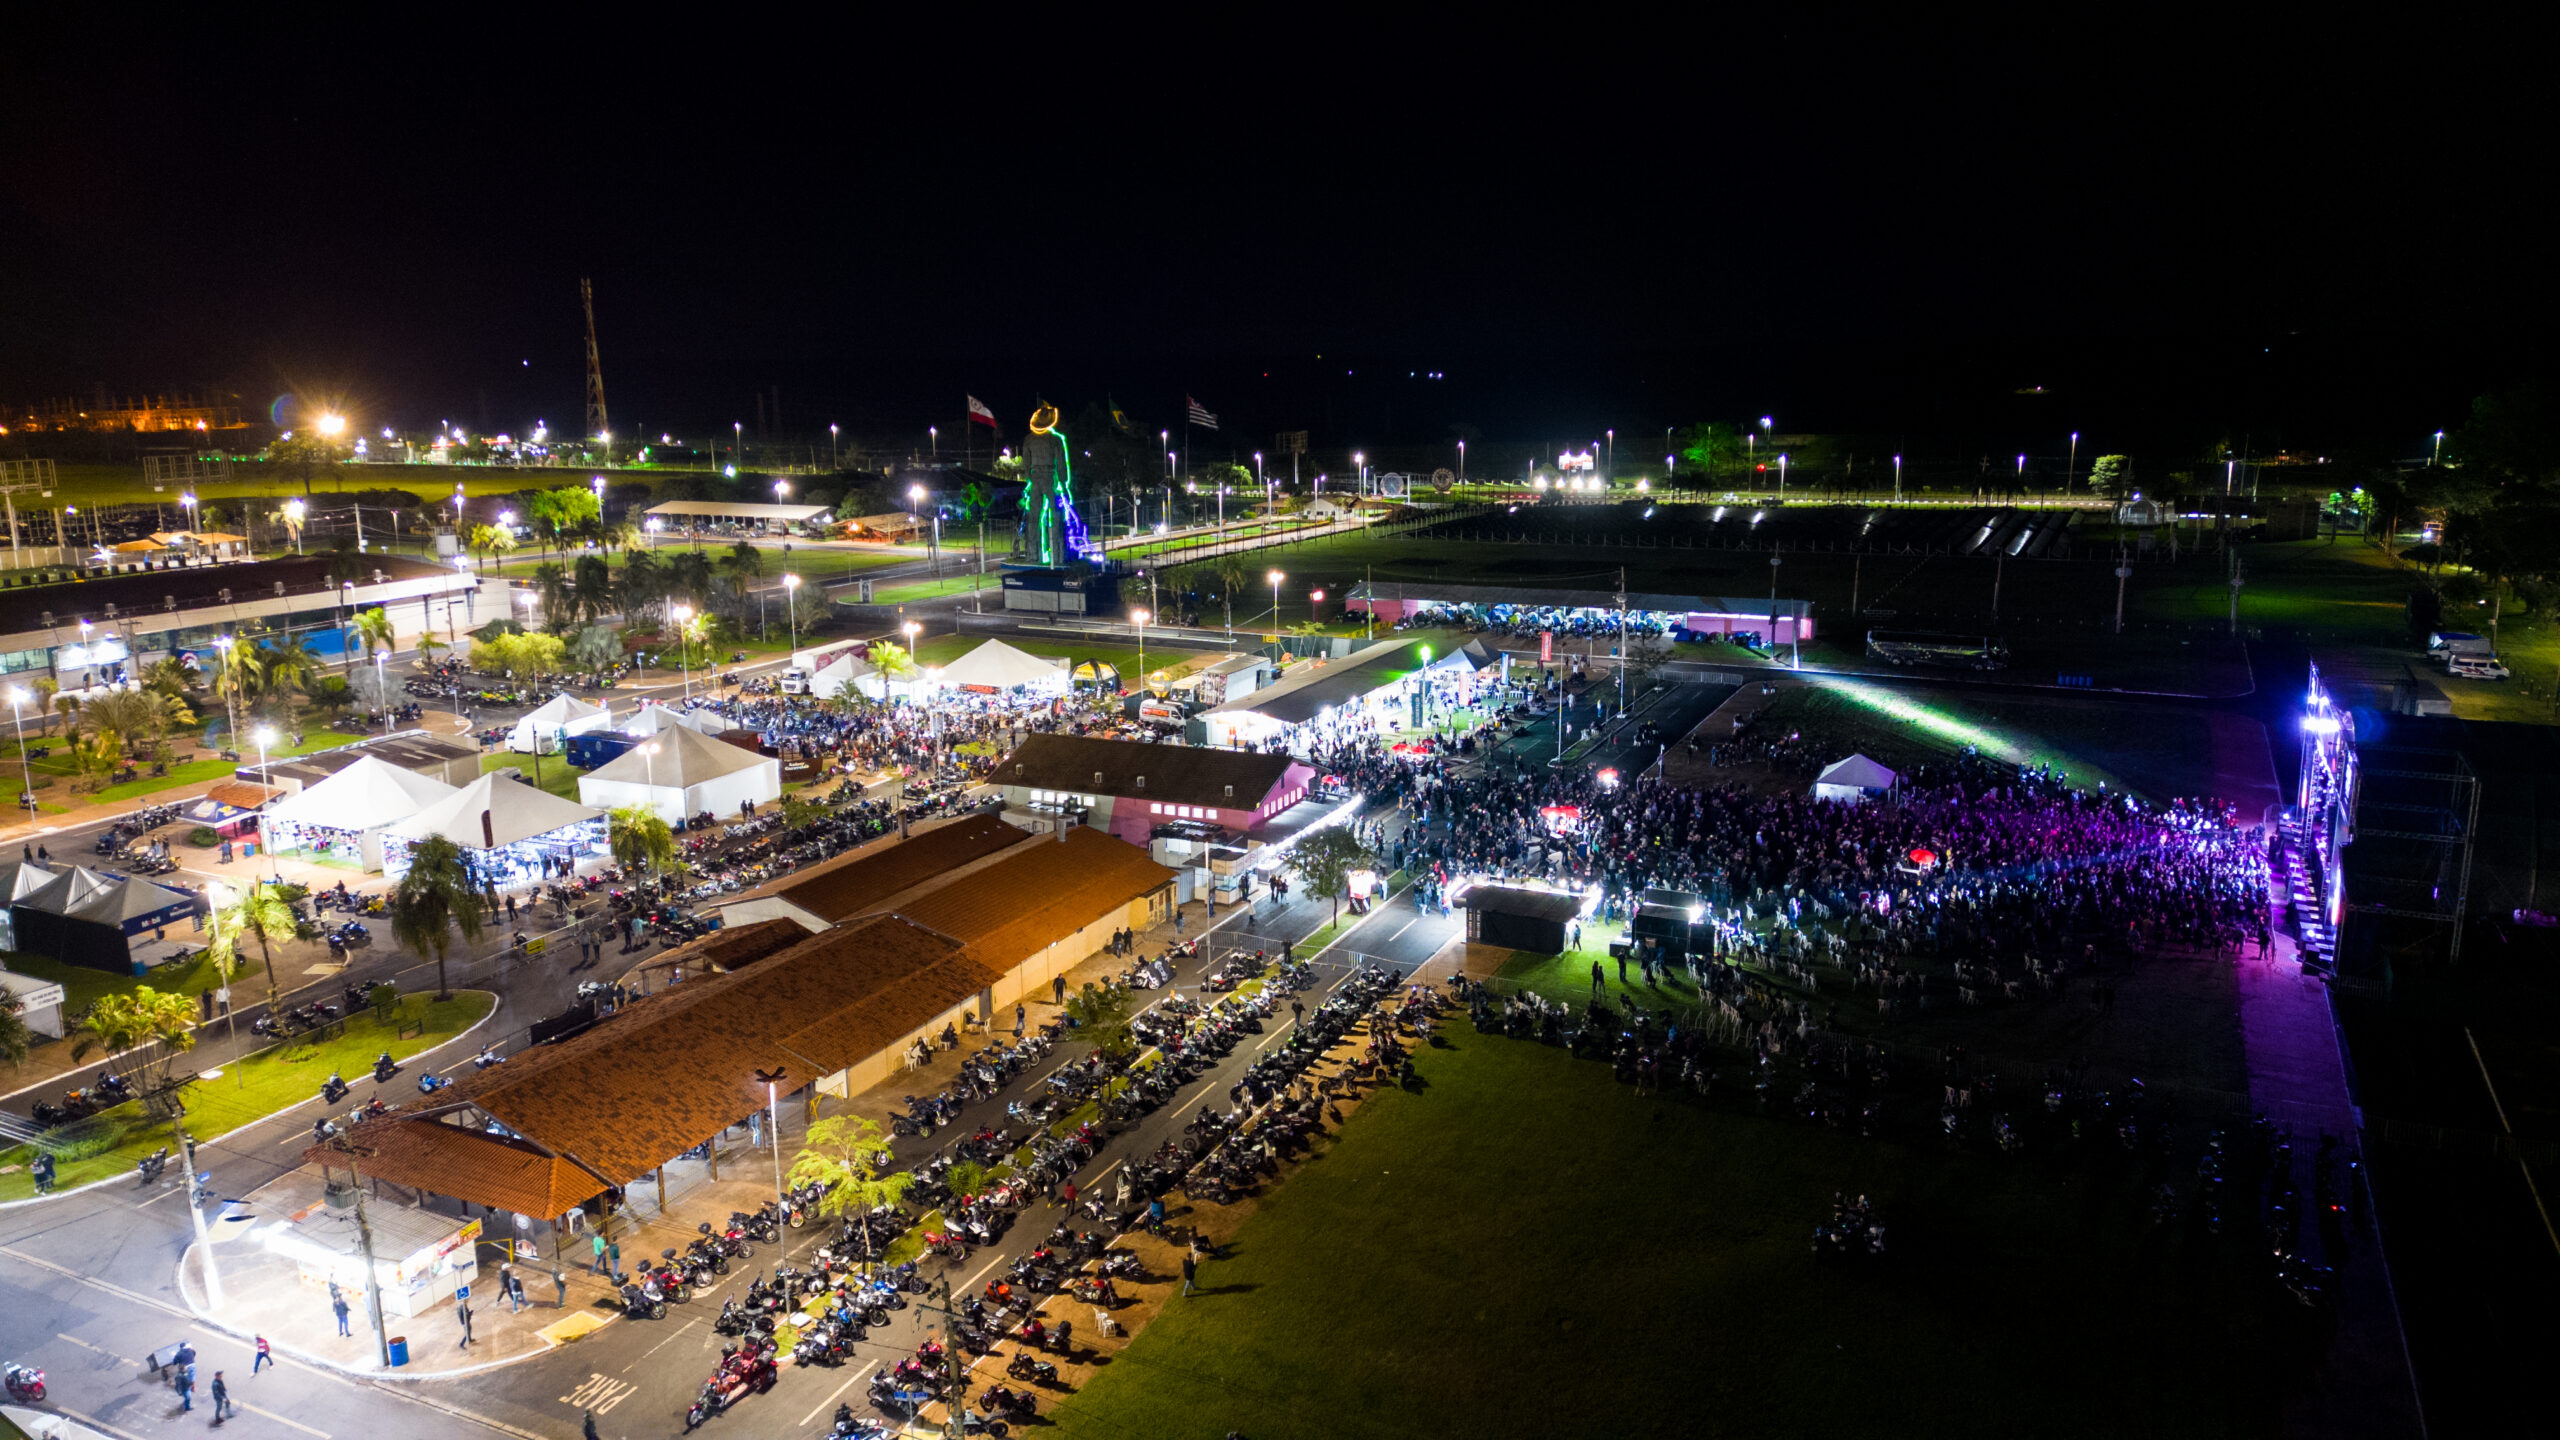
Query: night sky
(2180, 235)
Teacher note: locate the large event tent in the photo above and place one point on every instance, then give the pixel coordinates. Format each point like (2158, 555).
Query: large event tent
(996, 666)
(348, 812)
(851, 667)
(82, 917)
(507, 828)
(655, 718)
(690, 774)
(1853, 780)
(564, 714)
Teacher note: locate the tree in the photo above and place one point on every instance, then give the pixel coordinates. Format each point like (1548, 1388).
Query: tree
(843, 1156)
(1709, 448)
(15, 1039)
(892, 660)
(150, 1029)
(1232, 574)
(595, 649)
(551, 591)
(521, 656)
(260, 911)
(1102, 1021)
(434, 898)
(301, 457)
(375, 636)
(2112, 477)
(589, 596)
(286, 669)
(640, 839)
(561, 513)
(45, 689)
(643, 587)
(1326, 858)
(491, 540)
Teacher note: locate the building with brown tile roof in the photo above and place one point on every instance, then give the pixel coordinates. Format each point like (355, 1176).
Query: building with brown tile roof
(872, 878)
(1038, 910)
(486, 1169)
(672, 1070)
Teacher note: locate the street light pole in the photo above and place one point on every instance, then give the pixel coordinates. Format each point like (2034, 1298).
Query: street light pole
(1275, 577)
(1139, 618)
(773, 1117)
(790, 603)
(266, 736)
(27, 781)
(684, 647)
(195, 1212)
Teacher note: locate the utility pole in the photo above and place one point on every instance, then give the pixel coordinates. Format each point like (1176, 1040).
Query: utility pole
(597, 425)
(2124, 572)
(1999, 562)
(195, 1212)
(1622, 638)
(364, 1240)
(956, 1402)
(2236, 583)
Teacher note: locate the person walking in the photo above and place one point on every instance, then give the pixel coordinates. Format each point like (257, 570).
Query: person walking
(597, 1242)
(1058, 988)
(1190, 1270)
(462, 1316)
(187, 1385)
(338, 1303)
(560, 1283)
(588, 1431)
(507, 1284)
(1019, 1015)
(264, 1359)
(1597, 978)
(221, 1398)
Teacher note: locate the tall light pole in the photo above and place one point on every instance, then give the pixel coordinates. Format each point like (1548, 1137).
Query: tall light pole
(1609, 458)
(195, 1212)
(1139, 618)
(1897, 479)
(2019, 484)
(2071, 465)
(293, 514)
(1782, 475)
(1462, 462)
(1275, 577)
(265, 737)
(737, 441)
(187, 503)
(772, 1082)
(683, 616)
(18, 696)
(2433, 460)
(834, 460)
(791, 604)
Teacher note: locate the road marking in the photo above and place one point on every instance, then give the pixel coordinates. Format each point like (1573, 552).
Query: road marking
(599, 1393)
(1409, 924)
(676, 1335)
(95, 1423)
(270, 1414)
(85, 1345)
(805, 1420)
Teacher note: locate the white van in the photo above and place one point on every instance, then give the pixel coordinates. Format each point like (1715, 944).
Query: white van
(2477, 667)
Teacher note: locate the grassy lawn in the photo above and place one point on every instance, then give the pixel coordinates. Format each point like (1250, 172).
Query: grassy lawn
(991, 583)
(557, 777)
(59, 767)
(809, 562)
(2155, 750)
(82, 985)
(257, 1087)
(1524, 1234)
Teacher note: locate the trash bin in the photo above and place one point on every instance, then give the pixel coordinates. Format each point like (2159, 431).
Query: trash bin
(399, 1350)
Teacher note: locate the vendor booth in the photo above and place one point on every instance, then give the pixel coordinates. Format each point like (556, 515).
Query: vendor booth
(557, 718)
(688, 775)
(343, 818)
(420, 1259)
(996, 668)
(1853, 780)
(81, 917)
(508, 830)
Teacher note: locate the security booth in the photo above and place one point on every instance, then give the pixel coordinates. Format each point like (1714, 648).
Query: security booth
(420, 1258)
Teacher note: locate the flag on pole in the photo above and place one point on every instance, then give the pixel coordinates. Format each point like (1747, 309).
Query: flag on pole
(979, 412)
(1200, 415)
(1120, 419)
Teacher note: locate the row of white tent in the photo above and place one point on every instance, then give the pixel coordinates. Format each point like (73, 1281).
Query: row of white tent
(994, 666)
(689, 774)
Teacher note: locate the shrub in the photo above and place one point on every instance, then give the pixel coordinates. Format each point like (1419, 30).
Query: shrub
(94, 1136)
(203, 837)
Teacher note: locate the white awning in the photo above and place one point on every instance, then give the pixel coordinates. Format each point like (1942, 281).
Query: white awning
(367, 795)
(491, 812)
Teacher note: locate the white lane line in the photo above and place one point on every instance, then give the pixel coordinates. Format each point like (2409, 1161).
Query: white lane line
(94, 1423)
(270, 1414)
(163, 1195)
(672, 1337)
(1409, 924)
(811, 1417)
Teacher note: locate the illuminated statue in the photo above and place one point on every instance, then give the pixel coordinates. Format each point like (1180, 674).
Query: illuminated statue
(1054, 534)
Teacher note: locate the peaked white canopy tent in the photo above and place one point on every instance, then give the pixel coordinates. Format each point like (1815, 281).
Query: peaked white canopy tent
(996, 666)
(1854, 779)
(654, 719)
(345, 816)
(850, 667)
(541, 730)
(688, 775)
(509, 829)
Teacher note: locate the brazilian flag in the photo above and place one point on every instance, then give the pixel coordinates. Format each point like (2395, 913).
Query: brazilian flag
(1120, 418)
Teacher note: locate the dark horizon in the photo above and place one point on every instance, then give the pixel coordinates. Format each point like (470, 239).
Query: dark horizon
(2263, 256)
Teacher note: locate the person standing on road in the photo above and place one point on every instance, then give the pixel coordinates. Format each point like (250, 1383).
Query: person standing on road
(613, 1256)
(1058, 988)
(187, 1385)
(221, 1398)
(1019, 1015)
(462, 1317)
(560, 1282)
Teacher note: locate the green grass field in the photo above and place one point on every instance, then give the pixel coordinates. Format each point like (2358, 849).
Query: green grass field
(82, 985)
(820, 564)
(256, 1087)
(1525, 1244)
(556, 777)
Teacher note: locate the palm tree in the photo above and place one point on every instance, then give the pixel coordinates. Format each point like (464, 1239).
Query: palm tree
(286, 668)
(640, 839)
(155, 1028)
(551, 591)
(489, 540)
(591, 591)
(434, 897)
(689, 577)
(1231, 573)
(644, 585)
(595, 649)
(15, 1039)
(373, 631)
(45, 689)
(261, 911)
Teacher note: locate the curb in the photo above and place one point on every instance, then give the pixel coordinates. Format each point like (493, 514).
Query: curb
(500, 1003)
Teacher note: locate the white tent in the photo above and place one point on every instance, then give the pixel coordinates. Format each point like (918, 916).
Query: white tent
(1852, 780)
(368, 797)
(492, 813)
(562, 714)
(690, 775)
(998, 666)
(852, 665)
(654, 718)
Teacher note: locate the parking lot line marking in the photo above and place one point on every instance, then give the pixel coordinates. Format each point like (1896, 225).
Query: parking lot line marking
(270, 1414)
(805, 1420)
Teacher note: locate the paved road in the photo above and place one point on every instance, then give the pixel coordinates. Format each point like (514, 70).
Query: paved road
(87, 1282)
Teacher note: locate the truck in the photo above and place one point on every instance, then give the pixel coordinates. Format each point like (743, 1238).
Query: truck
(1971, 652)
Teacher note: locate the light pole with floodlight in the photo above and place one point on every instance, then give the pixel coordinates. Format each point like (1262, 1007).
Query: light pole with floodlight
(1139, 618)
(265, 737)
(790, 604)
(18, 696)
(1275, 577)
(683, 616)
